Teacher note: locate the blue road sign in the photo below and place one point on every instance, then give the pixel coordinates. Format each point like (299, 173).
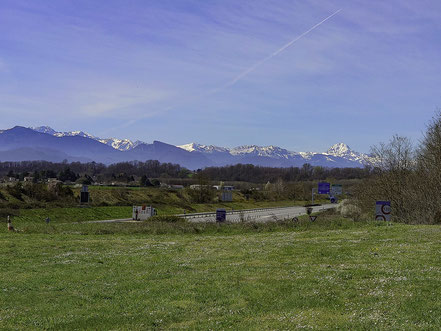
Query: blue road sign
(382, 211)
(221, 215)
(324, 188)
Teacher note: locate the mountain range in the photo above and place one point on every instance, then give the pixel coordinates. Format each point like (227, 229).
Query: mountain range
(44, 143)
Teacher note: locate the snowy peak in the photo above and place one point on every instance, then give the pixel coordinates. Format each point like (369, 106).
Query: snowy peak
(339, 149)
(266, 151)
(74, 134)
(339, 154)
(44, 129)
(49, 130)
(194, 147)
(344, 151)
(191, 147)
(119, 144)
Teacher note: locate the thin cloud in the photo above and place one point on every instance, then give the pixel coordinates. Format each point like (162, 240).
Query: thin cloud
(192, 99)
(269, 57)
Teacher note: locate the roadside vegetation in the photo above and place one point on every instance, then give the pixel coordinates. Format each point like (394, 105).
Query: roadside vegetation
(117, 202)
(29, 201)
(407, 175)
(85, 214)
(170, 224)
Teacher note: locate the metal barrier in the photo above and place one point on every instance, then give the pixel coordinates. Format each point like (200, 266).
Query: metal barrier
(233, 212)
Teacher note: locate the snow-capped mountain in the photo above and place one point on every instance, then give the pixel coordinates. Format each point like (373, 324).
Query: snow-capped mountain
(74, 134)
(266, 151)
(119, 144)
(80, 145)
(192, 147)
(44, 129)
(337, 155)
(339, 149)
(344, 151)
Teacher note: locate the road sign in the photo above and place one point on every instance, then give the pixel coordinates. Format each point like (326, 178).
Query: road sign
(312, 218)
(84, 194)
(333, 199)
(221, 215)
(84, 197)
(324, 188)
(382, 211)
(336, 189)
(227, 196)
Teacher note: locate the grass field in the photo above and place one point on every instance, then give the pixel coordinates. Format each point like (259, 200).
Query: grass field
(116, 202)
(84, 214)
(335, 274)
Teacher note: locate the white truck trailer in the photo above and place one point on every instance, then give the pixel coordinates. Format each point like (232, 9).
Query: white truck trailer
(141, 213)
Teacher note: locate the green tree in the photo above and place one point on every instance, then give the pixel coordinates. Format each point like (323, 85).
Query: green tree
(155, 182)
(145, 181)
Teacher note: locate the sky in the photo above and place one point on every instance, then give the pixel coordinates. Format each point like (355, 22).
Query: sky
(215, 71)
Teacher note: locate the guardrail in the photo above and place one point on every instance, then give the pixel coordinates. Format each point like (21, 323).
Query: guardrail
(232, 212)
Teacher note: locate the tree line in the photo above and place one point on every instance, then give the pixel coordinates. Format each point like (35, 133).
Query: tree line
(141, 171)
(407, 175)
(258, 174)
(125, 171)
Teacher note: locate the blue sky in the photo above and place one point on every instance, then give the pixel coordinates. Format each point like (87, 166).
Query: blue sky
(159, 70)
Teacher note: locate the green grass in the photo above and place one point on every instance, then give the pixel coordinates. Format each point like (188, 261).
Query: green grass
(72, 214)
(116, 202)
(93, 213)
(335, 274)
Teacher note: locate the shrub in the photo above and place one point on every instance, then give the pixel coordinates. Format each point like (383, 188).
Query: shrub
(62, 191)
(349, 210)
(16, 190)
(166, 219)
(408, 177)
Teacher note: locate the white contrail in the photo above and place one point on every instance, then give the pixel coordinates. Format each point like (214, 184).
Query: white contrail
(280, 50)
(245, 72)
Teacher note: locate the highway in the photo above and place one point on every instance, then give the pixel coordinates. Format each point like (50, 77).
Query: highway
(249, 215)
(257, 215)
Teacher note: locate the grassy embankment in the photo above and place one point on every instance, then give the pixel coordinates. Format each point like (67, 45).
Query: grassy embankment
(116, 202)
(334, 274)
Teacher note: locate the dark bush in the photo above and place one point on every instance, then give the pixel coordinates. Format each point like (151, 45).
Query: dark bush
(166, 219)
(16, 190)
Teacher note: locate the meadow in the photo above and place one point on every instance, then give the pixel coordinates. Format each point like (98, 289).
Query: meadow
(116, 203)
(332, 274)
(92, 213)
